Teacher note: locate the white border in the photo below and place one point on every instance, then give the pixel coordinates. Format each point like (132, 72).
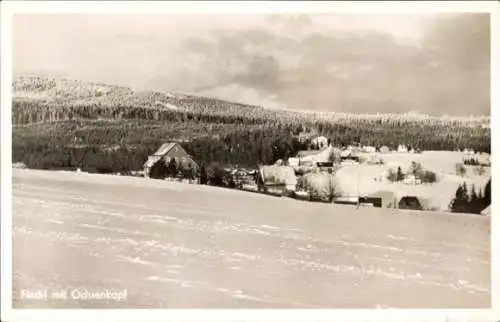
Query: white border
(10, 7)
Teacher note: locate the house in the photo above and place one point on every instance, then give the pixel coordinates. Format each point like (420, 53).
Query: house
(321, 142)
(349, 155)
(323, 165)
(345, 154)
(486, 211)
(346, 200)
(313, 156)
(307, 153)
(277, 179)
(369, 149)
(413, 202)
(381, 199)
(411, 179)
(167, 152)
(385, 149)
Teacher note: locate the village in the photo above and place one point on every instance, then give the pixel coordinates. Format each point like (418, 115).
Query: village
(361, 176)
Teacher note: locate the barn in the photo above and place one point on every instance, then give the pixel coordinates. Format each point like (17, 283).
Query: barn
(413, 202)
(277, 179)
(167, 152)
(381, 199)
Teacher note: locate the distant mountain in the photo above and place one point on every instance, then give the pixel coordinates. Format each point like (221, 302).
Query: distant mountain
(64, 92)
(53, 91)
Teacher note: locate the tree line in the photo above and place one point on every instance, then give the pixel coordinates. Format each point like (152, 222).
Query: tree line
(233, 139)
(471, 202)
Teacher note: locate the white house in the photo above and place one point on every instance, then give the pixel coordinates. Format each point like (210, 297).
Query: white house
(320, 141)
(369, 149)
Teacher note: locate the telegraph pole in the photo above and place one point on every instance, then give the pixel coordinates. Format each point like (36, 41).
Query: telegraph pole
(357, 207)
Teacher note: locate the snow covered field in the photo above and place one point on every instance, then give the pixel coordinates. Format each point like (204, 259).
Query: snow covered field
(174, 245)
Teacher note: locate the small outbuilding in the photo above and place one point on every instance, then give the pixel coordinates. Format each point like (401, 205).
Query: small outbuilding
(384, 149)
(413, 202)
(277, 179)
(382, 199)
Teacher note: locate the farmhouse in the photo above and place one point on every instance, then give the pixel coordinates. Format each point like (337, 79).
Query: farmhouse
(349, 155)
(312, 157)
(277, 179)
(384, 149)
(369, 149)
(167, 152)
(321, 142)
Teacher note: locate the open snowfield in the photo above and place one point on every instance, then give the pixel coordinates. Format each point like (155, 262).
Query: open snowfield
(439, 194)
(173, 245)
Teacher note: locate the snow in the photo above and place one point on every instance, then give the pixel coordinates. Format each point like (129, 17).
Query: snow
(174, 245)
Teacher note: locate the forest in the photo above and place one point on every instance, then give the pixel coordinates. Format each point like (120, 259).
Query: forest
(472, 202)
(73, 124)
(48, 136)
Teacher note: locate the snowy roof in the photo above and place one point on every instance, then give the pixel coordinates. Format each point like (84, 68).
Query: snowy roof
(164, 148)
(305, 153)
(152, 159)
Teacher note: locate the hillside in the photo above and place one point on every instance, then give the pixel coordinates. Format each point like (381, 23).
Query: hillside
(174, 245)
(51, 117)
(64, 92)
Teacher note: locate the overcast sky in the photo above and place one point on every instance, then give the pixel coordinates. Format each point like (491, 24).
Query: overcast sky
(437, 64)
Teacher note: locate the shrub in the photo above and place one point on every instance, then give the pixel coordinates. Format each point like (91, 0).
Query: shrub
(159, 170)
(460, 169)
(428, 177)
(392, 175)
(400, 175)
(415, 168)
(203, 175)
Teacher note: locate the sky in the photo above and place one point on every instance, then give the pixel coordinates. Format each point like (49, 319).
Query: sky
(364, 63)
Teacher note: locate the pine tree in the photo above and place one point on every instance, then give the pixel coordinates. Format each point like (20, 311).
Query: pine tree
(475, 203)
(172, 168)
(400, 176)
(461, 200)
(487, 193)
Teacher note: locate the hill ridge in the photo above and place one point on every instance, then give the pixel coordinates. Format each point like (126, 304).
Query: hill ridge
(56, 90)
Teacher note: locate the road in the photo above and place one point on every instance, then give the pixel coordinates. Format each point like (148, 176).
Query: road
(173, 245)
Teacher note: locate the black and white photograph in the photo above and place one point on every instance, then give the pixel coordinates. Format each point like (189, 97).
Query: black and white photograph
(250, 160)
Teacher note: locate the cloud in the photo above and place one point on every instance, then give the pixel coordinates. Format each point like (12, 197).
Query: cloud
(345, 63)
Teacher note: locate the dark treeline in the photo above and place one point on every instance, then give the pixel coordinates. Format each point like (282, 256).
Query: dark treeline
(121, 137)
(473, 202)
(426, 134)
(87, 147)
